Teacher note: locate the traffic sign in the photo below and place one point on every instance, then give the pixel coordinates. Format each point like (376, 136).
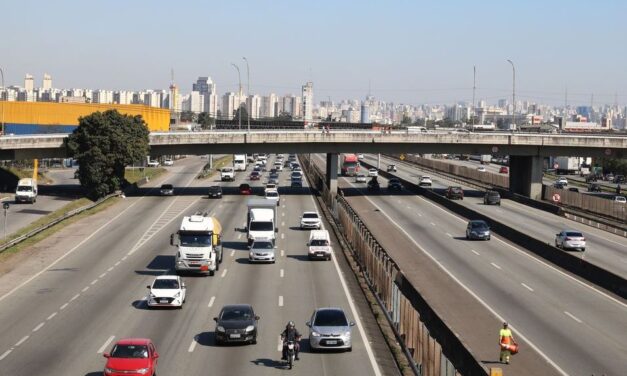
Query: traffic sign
(556, 198)
(556, 166)
(495, 149)
(402, 157)
(5, 206)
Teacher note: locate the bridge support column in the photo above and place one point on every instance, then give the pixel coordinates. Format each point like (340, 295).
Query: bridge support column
(525, 176)
(331, 176)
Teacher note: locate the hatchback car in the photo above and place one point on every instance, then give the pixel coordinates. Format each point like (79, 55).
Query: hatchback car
(132, 356)
(262, 250)
(236, 323)
(166, 291)
(153, 163)
(373, 184)
(166, 190)
(168, 162)
(310, 219)
(573, 189)
(394, 185)
(296, 183)
(492, 198)
(478, 229)
(215, 191)
(562, 181)
(255, 175)
(245, 189)
(619, 179)
(330, 329)
(425, 181)
(620, 199)
(503, 170)
(569, 239)
(558, 185)
(360, 156)
(360, 178)
(373, 172)
(296, 174)
(594, 187)
(455, 193)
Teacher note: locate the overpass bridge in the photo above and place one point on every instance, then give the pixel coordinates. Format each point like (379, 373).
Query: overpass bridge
(525, 150)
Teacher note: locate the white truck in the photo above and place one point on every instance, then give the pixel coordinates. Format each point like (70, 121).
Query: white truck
(566, 165)
(26, 190)
(227, 174)
(239, 162)
(199, 245)
(485, 159)
(261, 220)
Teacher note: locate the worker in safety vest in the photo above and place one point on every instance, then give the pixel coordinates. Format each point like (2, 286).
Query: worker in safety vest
(506, 340)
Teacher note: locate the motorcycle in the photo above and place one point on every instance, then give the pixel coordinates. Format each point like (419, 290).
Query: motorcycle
(291, 353)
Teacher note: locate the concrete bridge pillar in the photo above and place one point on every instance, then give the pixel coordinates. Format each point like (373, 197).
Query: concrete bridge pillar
(525, 176)
(331, 175)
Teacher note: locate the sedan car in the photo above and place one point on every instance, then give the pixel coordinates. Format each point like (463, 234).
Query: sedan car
(310, 219)
(215, 191)
(594, 187)
(273, 195)
(262, 250)
(166, 190)
(131, 356)
(296, 183)
(168, 162)
(330, 329)
(492, 198)
(503, 170)
(360, 178)
(296, 174)
(255, 175)
(394, 185)
(562, 181)
(166, 291)
(455, 193)
(236, 323)
(425, 181)
(569, 239)
(477, 229)
(373, 172)
(245, 189)
(153, 163)
(620, 199)
(481, 169)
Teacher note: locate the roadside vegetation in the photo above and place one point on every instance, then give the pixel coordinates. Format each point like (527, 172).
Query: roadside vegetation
(135, 174)
(218, 164)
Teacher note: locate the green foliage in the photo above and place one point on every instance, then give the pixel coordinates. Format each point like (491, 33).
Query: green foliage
(188, 117)
(614, 165)
(406, 120)
(205, 120)
(244, 113)
(285, 116)
(104, 143)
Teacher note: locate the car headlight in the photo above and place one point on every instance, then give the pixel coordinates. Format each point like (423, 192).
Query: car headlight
(250, 328)
(347, 334)
(142, 371)
(177, 295)
(315, 334)
(151, 295)
(220, 329)
(252, 254)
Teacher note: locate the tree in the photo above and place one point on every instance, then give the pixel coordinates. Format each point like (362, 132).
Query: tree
(104, 144)
(284, 116)
(205, 120)
(187, 116)
(406, 120)
(241, 110)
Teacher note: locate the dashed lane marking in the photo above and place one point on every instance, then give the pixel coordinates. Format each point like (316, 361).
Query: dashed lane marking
(495, 265)
(232, 253)
(572, 316)
(105, 345)
(280, 300)
(282, 274)
(38, 326)
(192, 346)
(22, 341)
(224, 273)
(5, 354)
(475, 252)
(51, 316)
(527, 287)
(63, 306)
(213, 299)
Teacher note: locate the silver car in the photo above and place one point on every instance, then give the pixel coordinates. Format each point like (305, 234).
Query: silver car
(570, 239)
(330, 329)
(262, 250)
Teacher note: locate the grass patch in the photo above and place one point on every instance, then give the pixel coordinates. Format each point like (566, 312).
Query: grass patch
(227, 160)
(133, 175)
(28, 173)
(59, 226)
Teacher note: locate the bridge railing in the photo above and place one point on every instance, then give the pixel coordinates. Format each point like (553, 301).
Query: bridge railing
(412, 319)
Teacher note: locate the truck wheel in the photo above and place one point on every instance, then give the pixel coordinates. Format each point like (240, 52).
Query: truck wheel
(217, 266)
(212, 273)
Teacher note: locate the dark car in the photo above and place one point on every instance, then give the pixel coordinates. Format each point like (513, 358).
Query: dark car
(255, 175)
(272, 180)
(559, 185)
(478, 229)
(391, 168)
(166, 190)
(273, 176)
(245, 189)
(619, 178)
(594, 187)
(492, 198)
(215, 191)
(236, 323)
(591, 178)
(257, 168)
(573, 189)
(455, 193)
(394, 185)
(76, 174)
(373, 184)
(297, 182)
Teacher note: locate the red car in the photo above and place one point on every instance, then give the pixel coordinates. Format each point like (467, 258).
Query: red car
(132, 356)
(503, 170)
(245, 189)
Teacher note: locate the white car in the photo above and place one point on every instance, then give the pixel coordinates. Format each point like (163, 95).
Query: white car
(373, 172)
(360, 156)
(310, 219)
(562, 181)
(153, 163)
(425, 181)
(278, 166)
(620, 199)
(168, 162)
(481, 169)
(570, 239)
(269, 187)
(360, 178)
(166, 291)
(273, 194)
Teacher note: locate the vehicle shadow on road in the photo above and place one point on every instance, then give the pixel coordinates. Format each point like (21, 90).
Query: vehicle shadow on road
(299, 257)
(141, 305)
(268, 363)
(238, 246)
(94, 374)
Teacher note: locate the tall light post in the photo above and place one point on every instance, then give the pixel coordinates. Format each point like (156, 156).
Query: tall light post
(248, 86)
(2, 120)
(513, 92)
(239, 104)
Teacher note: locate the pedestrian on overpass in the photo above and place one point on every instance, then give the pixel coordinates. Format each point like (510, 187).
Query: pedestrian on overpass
(507, 343)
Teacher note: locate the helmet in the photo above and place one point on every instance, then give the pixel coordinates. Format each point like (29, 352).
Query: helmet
(505, 324)
(291, 324)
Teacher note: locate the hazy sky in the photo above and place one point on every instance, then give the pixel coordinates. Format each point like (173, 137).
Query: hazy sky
(410, 51)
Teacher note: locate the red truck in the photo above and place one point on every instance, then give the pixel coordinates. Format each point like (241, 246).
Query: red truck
(350, 165)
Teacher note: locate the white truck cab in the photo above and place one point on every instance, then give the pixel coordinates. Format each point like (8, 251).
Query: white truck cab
(199, 246)
(26, 190)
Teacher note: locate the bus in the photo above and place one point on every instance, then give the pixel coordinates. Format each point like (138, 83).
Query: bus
(239, 162)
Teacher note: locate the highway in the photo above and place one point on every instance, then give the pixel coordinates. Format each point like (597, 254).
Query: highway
(63, 319)
(604, 249)
(575, 326)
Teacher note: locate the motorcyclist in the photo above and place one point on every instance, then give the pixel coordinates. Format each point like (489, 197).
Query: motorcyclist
(290, 334)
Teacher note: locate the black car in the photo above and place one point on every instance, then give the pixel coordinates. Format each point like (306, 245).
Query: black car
(297, 182)
(492, 198)
(215, 191)
(273, 176)
(559, 186)
(236, 323)
(619, 178)
(594, 187)
(394, 185)
(391, 168)
(373, 184)
(573, 189)
(455, 193)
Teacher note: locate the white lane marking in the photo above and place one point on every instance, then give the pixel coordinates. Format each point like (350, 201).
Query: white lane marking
(239, 236)
(5, 354)
(232, 253)
(496, 266)
(39, 326)
(63, 306)
(105, 345)
(449, 235)
(22, 341)
(624, 305)
(475, 252)
(94, 281)
(124, 258)
(420, 215)
(224, 273)
(75, 297)
(110, 269)
(69, 252)
(282, 224)
(572, 316)
(85, 289)
(527, 287)
(282, 253)
(432, 224)
(279, 348)
(281, 273)
(102, 275)
(213, 299)
(192, 346)
(51, 316)
(280, 300)
(283, 214)
(282, 235)
(117, 263)
(472, 293)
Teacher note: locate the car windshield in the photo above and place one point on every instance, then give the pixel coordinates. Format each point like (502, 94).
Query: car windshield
(214, 188)
(479, 225)
(574, 234)
(236, 314)
(261, 226)
(272, 194)
(361, 175)
(195, 240)
(263, 245)
(255, 173)
(166, 284)
(319, 242)
(310, 215)
(330, 317)
(24, 188)
(493, 194)
(167, 186)
(425, 178)
(227, 169)
(130, 351)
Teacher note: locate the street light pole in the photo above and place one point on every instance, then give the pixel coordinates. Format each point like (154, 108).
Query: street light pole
(248, 85)
(2, 121)
(513, 92)
(239, 104)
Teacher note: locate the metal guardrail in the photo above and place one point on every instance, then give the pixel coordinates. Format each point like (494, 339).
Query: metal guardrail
(65, 216)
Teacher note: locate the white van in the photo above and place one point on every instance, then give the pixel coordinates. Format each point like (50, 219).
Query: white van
(26, 190)
(319, 245)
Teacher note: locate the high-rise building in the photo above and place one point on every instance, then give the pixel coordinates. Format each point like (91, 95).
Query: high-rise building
(229, 105)
(253, 105)
(308, 102)
(47, 82)
(29, 83)
(210, 104)
(270, 106)
(196, 102)
(204, 85)
(175, 102)
(365, 113)
(102, 96)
